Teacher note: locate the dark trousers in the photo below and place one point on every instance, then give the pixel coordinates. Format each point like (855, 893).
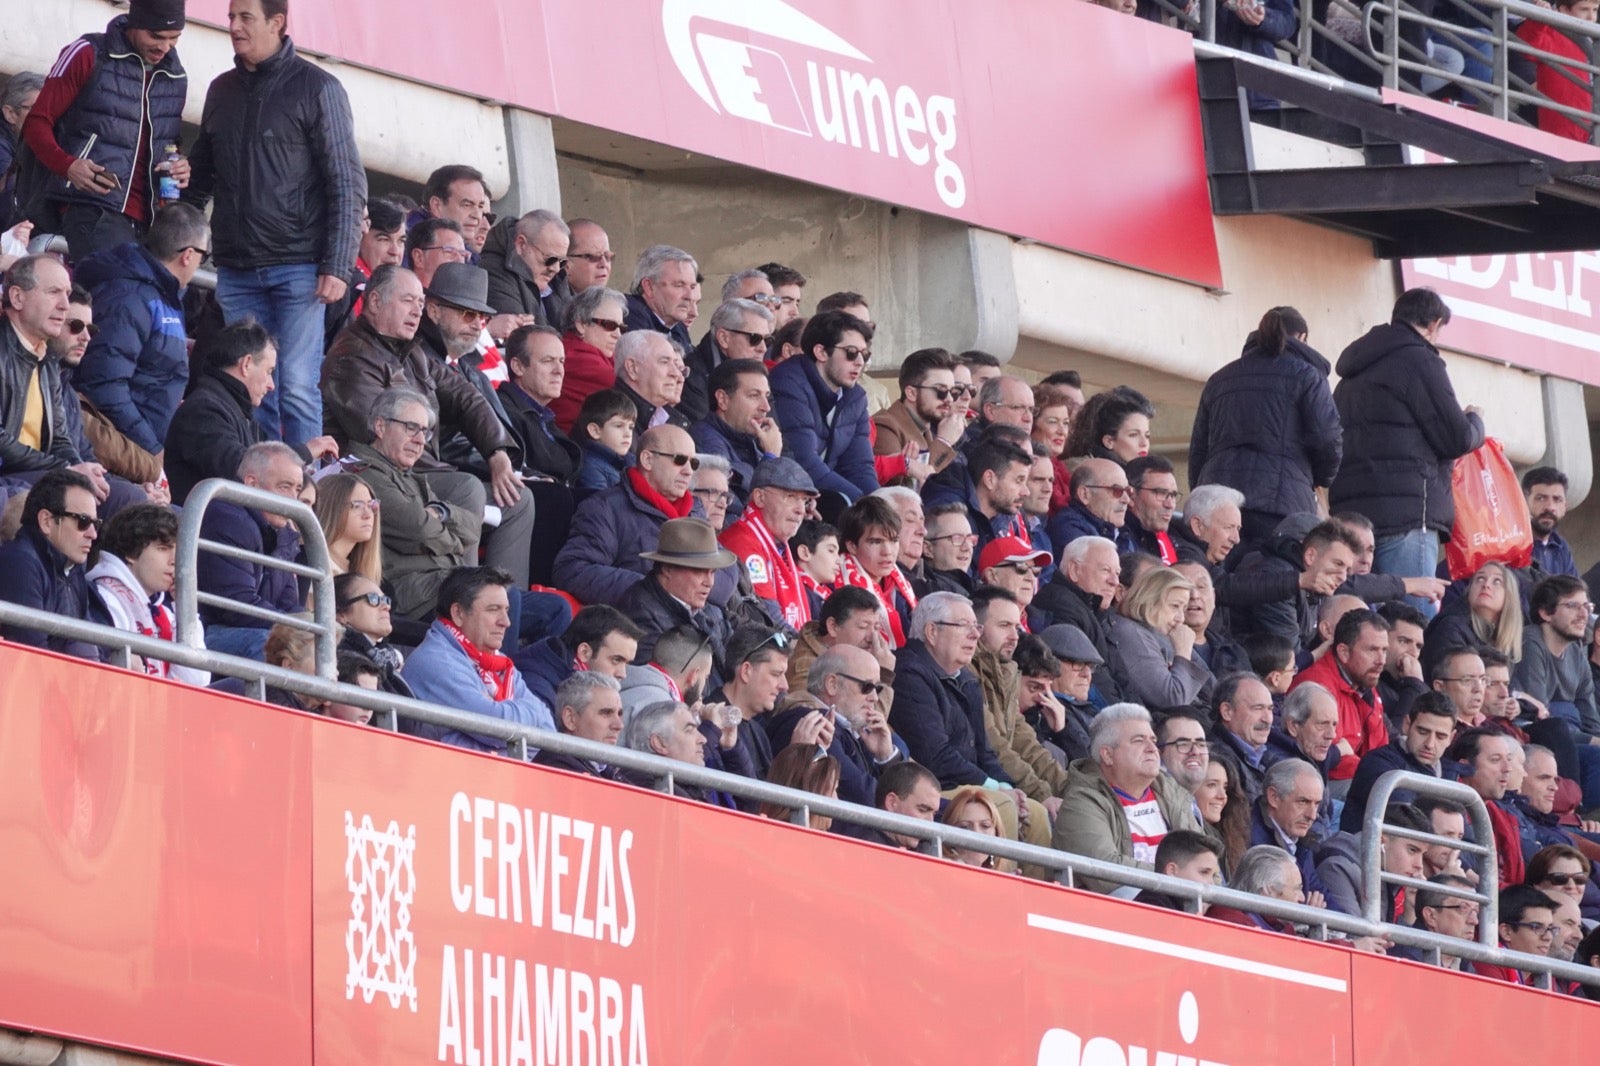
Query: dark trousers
(91, 229)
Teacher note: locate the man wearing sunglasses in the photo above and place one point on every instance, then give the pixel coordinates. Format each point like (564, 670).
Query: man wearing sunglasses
(43, 567)
(926, 415)
(823, 408)
(135, 370)
(740, 329)
(844, 694)
(526, 258)
(452, 334)
(92, 433)
(1099, 507)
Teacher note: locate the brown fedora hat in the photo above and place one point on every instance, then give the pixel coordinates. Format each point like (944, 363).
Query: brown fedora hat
(689, 542)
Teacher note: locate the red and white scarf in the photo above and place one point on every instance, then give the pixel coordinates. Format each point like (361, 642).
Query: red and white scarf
(496, 671)
(851, 573)
(775, 575)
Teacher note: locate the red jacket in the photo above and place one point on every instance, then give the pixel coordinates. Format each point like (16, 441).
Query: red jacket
(1360, 721)
(1563, 84)
(588, 371)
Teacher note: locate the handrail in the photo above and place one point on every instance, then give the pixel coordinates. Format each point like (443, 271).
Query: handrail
(1373, 830)
(187, 592)
(388, 708)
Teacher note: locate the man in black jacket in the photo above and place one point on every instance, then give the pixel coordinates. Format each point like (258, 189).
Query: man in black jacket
(213, 426)
(1403, 430)
(676, 590)
(277, 148)
(1080, 595)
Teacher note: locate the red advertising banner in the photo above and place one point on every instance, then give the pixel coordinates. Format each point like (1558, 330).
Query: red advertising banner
(1062, 123)
(204, 878)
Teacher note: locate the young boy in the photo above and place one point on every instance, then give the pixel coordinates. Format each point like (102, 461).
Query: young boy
(604, 429)
(816, 551)
(1272, 659)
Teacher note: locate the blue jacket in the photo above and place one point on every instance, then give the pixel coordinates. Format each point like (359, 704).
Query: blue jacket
(34, 574)
(600, 561)
(1553, 556)
(953, 484)
(1266, 425)
(1373, 765)
(242, 582)
(639, 316)
(941, 719)
(115, 107)
(440, 672)
(602, 468)
(1075, 520)
(1279, 24)
(1262, 832)
(834, 446)
(544, 664)
(136, 369)
(713, 436)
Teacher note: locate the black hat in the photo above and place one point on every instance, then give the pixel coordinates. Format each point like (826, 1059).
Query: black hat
(461, 285)
(159, 16)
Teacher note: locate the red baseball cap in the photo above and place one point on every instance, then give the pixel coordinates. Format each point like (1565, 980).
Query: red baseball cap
(1011, 550)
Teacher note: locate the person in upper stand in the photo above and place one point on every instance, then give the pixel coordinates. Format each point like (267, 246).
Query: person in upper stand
(780, 492)
(1099, 508)
(1546, 489)
(739, 427)
(1429, 725)
(1151, 505)
(822, 407)
(1114, 425)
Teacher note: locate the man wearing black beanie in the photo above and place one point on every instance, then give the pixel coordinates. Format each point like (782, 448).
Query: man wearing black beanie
(109, 109)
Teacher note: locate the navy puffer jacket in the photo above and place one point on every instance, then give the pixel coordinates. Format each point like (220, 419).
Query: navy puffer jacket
(1404, 430)
(1267, 426)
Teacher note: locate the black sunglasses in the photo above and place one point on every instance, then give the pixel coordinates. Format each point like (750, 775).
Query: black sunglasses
(867, 687)
(757, 340)
(372, 599)
(678, 459)
(76, 326)
(85, 522)
(940, 392)
(204, 253)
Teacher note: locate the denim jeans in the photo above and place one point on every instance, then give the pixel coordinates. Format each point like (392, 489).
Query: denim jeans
(1413, 554)
(284, 300)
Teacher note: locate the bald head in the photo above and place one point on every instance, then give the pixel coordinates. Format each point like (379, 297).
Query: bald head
(1101, 486)
(659, 450)
(1334, 608)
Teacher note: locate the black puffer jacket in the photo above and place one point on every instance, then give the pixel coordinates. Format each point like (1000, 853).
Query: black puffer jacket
(1404, 429)
(1267, 427)
(277, 148)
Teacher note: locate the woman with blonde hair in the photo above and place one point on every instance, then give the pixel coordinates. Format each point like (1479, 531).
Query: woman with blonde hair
(1488, 614)
(1152, 650)
(295, 649)
(809, 768)
(973, 809)
(348, 514)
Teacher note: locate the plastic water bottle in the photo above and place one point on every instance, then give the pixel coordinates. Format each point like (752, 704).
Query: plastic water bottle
(167, 191)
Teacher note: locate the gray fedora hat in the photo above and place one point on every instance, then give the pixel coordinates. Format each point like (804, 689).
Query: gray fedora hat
(1071, 644)
(689, 542)
(461, 285)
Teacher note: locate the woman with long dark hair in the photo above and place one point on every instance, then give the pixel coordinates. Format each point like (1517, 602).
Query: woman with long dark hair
(1267, 425)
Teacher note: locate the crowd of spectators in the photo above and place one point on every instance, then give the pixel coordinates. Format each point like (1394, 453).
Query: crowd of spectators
(985, 601)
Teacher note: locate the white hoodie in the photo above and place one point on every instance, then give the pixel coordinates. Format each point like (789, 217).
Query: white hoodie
(129, 606)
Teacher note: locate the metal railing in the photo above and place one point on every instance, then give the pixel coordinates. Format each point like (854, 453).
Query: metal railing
(1385, 43)
(1374, 829)
(317, 569)
(1320, 924)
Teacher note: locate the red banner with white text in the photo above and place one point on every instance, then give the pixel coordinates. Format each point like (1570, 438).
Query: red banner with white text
(1064, 123)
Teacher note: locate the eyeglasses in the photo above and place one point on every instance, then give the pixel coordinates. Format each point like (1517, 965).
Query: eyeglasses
(1012, 406)
(203, 253)
(767, 299)
(970, 627)
(448, 249)
(76, 326)
(854, 354)
(595, 257)
(1023, 568)
(1566, 879)
(470, 315)
(757, 340)
(710, 496)
(970, 538)
(867, 687)
(677, 459)
(1571, 605)
(1471, 682)
(940, 392)
(1467, 908)
(413, 429)
(364, 505)
(1538, 929)
(85, 522)
(1164, 495)
(1186, 746)
(1121, 492)
(610, 325)
(371, 599)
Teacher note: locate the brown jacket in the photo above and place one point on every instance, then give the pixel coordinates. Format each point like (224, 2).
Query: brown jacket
(808, 645)
(898, 425)
(361, 364)
(115, 452)
(1028, 763)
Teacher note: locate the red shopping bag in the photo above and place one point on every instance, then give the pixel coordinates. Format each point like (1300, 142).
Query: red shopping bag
(1492, 522)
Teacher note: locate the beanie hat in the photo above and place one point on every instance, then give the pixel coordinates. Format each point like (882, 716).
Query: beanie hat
(159, 16)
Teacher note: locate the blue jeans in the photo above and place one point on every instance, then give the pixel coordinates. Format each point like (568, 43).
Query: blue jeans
(247, 642)
(1413, 554)
(284, 300)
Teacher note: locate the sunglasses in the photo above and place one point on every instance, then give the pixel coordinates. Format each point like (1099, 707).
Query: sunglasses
(595, 257)
(678, 459)
(85, 522)
(610, 325)
(557, 261)
(867, 687)
(963, 391)
(1121, 492)
(1566, 879)
(757, 340)
(776, 638)
(76, 326)
(854, 354)
(940, 392)
(371, 599)
(203, 253)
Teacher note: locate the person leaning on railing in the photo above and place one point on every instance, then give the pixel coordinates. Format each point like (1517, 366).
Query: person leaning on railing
(1559, 73)
(134, 565)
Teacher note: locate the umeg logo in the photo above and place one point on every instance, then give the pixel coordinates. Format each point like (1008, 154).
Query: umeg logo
(843, 104)
(380, 873)
(1060, 1047)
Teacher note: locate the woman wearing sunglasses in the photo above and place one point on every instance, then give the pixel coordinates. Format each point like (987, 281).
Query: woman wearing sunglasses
(1561, 871)
(593, 327)
(366, 614)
